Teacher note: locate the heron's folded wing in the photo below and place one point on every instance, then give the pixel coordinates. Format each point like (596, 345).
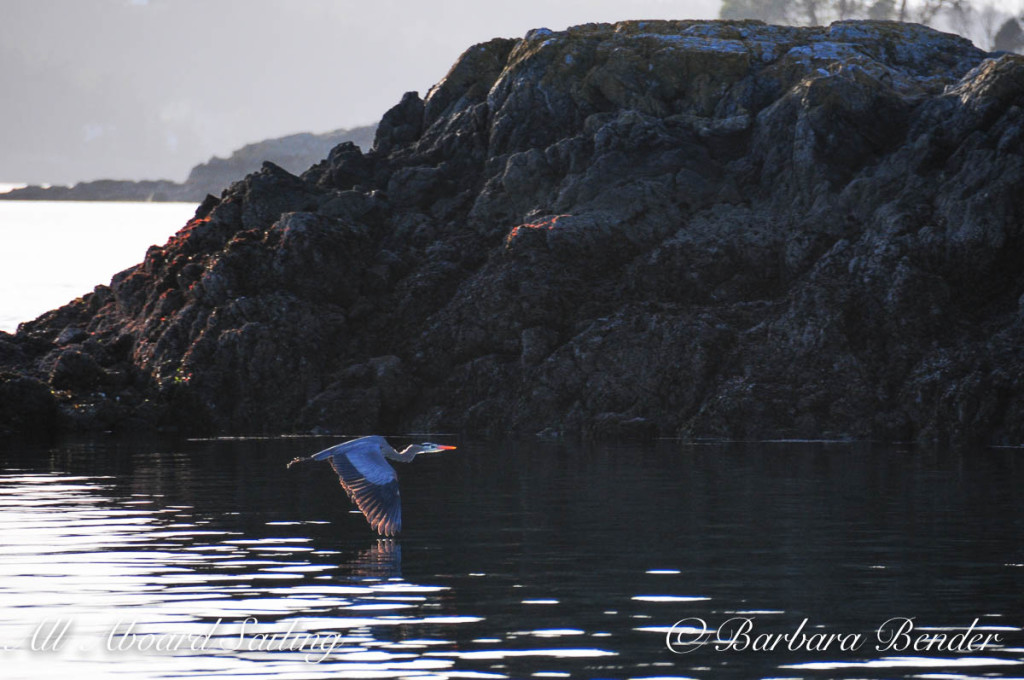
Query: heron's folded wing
(373, 486)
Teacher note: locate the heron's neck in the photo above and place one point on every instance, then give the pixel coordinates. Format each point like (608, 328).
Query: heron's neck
(405, 455)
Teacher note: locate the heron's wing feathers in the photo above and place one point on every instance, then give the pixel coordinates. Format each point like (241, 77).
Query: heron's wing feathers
(372, 485)
(362, 445)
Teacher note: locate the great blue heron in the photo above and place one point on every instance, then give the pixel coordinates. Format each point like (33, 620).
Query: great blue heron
(371, 483)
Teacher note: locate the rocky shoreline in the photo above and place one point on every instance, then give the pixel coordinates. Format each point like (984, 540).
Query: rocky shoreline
(691, 229)
(294, 152)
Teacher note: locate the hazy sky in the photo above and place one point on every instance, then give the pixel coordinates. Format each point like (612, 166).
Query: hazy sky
(134, 89)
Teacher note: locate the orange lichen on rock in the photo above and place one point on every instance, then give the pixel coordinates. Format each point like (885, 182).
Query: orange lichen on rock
(548, 223)
(183, 233)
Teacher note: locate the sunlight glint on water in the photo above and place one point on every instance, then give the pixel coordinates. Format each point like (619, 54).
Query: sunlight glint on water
(71, 554)
(54, 251)
(213, 559)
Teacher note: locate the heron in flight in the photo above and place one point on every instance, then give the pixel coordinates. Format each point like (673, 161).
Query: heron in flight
(371, 483)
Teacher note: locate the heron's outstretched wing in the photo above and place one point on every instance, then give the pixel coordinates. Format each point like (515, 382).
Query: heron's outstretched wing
(371, 483)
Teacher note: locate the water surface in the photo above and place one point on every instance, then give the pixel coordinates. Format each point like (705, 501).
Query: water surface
(54, 251)
(518, 560)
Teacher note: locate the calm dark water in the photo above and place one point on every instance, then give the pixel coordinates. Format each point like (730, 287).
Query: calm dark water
(518, 560)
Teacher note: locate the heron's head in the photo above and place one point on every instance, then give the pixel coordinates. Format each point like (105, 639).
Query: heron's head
(428, 447)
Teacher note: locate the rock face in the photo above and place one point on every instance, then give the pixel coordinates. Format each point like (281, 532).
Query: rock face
(699, 229)
(294, 152)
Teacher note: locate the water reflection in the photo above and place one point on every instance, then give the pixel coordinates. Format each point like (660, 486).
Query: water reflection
(517, 562)
(382, 560)
(88, 576)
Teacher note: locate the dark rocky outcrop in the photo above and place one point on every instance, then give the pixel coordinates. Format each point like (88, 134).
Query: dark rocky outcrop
(701, 229)
(294, 152)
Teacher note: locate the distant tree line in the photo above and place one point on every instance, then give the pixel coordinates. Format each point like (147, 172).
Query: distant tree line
(982, 21)
(816, 12)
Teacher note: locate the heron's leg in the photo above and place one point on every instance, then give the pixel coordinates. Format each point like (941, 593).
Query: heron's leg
(300, 459)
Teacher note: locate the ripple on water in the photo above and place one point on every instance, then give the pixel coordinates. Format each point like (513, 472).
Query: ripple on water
(224, 552)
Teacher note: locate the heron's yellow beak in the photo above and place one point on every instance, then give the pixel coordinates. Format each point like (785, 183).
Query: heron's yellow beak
(446, 448)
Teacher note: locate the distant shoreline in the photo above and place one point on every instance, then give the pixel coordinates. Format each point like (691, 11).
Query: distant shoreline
(294, 153)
